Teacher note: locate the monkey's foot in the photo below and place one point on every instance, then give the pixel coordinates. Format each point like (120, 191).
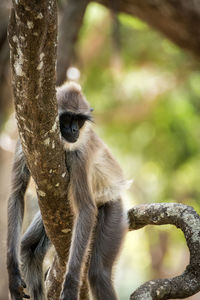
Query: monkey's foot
(17, 286)
(68, 295)
(70, 288)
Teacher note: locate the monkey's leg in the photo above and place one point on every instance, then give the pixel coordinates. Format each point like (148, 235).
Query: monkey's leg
(110, 230)
(20, 179)
(82, 231)
(34, 246)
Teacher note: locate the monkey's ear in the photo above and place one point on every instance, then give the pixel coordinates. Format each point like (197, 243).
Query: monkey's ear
(91, 109)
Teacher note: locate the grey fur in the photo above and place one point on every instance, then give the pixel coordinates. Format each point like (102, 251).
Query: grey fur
(109, 233)
(20, 179)
(34, 246)
(95, 186)
(84, 222)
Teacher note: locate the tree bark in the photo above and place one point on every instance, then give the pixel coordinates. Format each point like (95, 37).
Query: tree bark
(185, 218)
(33, 41)
(178, 20)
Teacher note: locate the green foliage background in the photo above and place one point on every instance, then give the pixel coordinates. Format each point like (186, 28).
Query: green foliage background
(145, 92)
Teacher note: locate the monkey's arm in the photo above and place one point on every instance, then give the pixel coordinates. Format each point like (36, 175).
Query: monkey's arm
(20, 180)
(85, 211)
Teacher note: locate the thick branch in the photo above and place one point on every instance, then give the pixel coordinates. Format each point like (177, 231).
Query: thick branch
(179, 20)
(4, 59)
(185, 218)
(32, 38)
(69, 28)
(4, 14)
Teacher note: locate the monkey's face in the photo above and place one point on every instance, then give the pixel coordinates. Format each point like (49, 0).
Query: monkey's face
(70, 125)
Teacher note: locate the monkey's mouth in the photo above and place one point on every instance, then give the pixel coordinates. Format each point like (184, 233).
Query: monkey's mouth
(70, 138)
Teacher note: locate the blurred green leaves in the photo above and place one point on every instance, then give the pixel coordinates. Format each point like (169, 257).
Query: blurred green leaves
(147, 104)
(146, 95)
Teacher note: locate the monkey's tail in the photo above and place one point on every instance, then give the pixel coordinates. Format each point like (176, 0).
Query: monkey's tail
(34, 247)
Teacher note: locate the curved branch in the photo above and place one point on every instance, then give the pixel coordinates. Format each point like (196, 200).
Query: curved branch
(178, 20)
(185, 218)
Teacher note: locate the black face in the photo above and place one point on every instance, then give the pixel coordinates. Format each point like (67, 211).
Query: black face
(70, 124)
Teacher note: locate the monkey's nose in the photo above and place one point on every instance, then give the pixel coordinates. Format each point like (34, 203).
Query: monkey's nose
(74, 128)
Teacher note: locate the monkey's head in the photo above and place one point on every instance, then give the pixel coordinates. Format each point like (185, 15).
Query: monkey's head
(74, 111)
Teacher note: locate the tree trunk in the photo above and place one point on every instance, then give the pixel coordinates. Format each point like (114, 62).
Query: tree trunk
(33, 41)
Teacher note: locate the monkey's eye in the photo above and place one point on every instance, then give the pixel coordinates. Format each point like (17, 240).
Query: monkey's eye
(81, 122)
(82, 118)
(65, 119)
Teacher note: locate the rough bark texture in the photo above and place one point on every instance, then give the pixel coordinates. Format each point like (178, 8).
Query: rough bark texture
(179, 20)
(185, 218)
(32, 38)
(68, 32)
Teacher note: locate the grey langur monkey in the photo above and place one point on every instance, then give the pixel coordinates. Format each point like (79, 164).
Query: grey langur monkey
(96, 182)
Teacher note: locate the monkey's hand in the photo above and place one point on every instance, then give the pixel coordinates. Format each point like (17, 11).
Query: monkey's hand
(70, 288)
(16, 287)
